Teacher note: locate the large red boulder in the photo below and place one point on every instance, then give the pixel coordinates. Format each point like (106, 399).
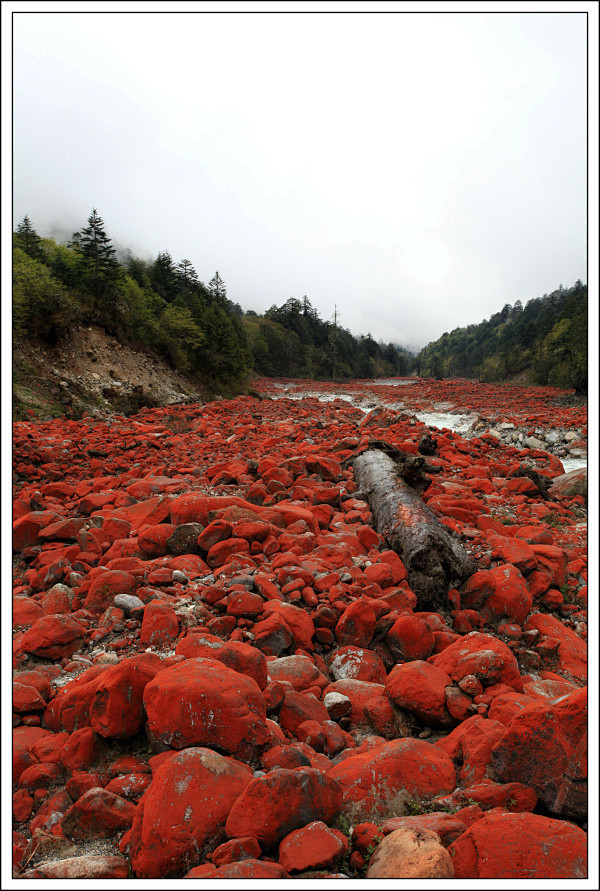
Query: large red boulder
(272, 806)
(117, 705)
(106, 585)
(376, 783)
(53, 637)
(545, 747)
(520, 846)
(410, 638)
(70, 708)
(182, 815)
(97, 814)
(359, 664)
(356, 624)
(202, 702)
(470, 747)
(159, 625)
(482, 655)
(572, 650)
(315, 846)
(420, 688)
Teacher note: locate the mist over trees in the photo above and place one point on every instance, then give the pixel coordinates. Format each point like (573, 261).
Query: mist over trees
(162, 305)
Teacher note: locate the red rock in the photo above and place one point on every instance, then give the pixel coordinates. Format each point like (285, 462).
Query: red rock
(105, 586)
(80, 750)
(356, 624)
(313, 847)
(572, 650)
(483, 656)
(520, 846)
(513, 551)
(513, 797)
(552, 561)
(51, 812)
(97, 814)
(25, 611)
(420, 688)
(117, 705)
(235, 850)
(545, 747)
(80, 782)
(470, 746)
(297, 620)
(152, 541)
(376, 783)
(22, 805)
(171, 832)
(358, 663)
(70, 708)
(132, 786)
(26, 698)
(159, 625)
(299, 671)
(506, 706)
(202, 702)
(410, 638)
(41, 776)
(26, 529)
(53, 637)
(272, 806)
(244, 604)
(298, 708)
(247, 869)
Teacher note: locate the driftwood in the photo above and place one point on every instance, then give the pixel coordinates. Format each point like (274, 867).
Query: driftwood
(434, 561)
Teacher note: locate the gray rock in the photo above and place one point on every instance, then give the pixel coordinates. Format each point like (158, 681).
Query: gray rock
(179, 576)
(532, 442)
(131, 605)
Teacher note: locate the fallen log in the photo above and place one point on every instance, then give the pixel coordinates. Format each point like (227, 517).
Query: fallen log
(434, 560)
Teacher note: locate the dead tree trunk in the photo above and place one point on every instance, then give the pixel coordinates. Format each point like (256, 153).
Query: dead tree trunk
(433, 559)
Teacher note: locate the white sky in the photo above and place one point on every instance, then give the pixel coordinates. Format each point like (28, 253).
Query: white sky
(419, 170)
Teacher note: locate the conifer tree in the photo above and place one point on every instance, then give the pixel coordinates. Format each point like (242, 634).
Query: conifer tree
(97, 257)
(188, 277)
(163, 276)
(217, 289)
(28, 239)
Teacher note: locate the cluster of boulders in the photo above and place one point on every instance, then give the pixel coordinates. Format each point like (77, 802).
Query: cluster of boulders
(221, 669)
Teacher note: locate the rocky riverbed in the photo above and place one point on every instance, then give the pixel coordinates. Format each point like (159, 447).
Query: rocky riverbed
(221, 669)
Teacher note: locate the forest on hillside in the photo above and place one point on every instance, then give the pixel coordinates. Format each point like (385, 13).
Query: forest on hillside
(163, 306)
(546, 340)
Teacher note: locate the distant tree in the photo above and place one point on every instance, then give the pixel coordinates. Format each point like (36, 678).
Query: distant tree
(217, 289)
(97, 256)
(163, 276)
(28, 239)
(187, 275)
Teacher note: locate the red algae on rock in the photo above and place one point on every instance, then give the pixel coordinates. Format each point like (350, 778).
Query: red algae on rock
(221, 670)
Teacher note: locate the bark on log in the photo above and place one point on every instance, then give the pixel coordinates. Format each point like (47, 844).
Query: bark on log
(434, 561)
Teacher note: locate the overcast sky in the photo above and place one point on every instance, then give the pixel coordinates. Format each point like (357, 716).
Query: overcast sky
(417, 170)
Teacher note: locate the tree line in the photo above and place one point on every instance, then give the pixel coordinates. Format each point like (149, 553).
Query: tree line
(544, 341)
(159, 305)
(162, 305)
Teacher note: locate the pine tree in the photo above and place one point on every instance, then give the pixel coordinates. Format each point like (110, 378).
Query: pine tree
(217, 289)
(97, 257)
(163, 276)
(188, 277)
(28, 239)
